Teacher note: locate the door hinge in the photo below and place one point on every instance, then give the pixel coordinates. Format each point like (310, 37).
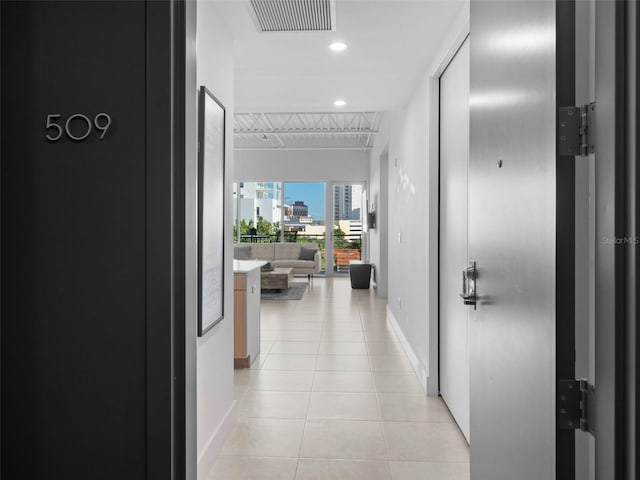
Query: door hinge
(576, 405)
(576, 130)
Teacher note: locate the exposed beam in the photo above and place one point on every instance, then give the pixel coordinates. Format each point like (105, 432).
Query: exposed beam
(299, 148)
(271, 128)
(315, 131)
(373, 124)
(310, 113)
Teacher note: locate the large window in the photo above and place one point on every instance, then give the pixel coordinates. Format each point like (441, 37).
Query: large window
(280, 212)
(301, 212)
(304, 214)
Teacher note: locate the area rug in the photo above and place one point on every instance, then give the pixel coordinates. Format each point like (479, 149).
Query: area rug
(294, 292)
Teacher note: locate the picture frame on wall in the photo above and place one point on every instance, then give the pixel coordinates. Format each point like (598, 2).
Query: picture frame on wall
(211, 167)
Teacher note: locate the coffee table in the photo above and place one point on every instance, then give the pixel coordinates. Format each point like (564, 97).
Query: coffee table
(276, 279)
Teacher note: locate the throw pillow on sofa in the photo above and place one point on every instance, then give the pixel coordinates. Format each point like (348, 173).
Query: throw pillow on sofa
(241, 252)
(307, 253)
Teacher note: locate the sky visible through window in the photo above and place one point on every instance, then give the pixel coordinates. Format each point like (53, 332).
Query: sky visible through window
(312, 194)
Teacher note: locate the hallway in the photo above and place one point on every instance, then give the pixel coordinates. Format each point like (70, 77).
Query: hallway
(333, 395)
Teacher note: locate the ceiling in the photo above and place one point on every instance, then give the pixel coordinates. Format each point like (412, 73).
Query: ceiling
(390, 45)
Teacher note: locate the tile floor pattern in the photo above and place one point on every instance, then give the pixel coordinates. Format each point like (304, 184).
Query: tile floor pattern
(333, 396)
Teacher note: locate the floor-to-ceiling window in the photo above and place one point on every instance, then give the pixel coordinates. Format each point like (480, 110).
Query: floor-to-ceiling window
(347, 212)
(274, 211)
(305, 215)
(327, 214)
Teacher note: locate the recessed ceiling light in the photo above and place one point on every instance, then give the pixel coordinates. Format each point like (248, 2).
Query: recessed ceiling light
(338, 47)
(339, 103)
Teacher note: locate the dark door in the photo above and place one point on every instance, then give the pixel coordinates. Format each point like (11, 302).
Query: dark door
(86, 341)
(615, 172)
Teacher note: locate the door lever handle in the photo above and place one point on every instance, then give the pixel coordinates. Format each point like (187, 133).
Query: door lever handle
(468, 294)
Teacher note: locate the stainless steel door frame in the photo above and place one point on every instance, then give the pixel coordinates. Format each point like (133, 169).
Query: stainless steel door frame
(565, 172)
(607, 319)
(610, 254)
(585, 232)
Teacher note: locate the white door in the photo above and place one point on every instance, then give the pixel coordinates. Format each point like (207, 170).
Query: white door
(454, 159)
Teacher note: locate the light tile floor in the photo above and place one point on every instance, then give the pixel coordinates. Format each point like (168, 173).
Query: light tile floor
(333, 396)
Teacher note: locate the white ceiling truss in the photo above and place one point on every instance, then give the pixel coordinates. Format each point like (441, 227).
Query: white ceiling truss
(306, 131)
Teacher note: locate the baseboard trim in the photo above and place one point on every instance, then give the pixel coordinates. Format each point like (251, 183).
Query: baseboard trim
(213, 447)
(418, 368)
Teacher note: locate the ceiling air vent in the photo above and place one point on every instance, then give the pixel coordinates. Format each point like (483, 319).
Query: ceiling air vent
(295, 15)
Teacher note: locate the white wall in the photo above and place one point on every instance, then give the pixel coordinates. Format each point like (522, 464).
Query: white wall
(409, 243)
(301, 165)
(215, 386)
(413, 213)
(379, 197)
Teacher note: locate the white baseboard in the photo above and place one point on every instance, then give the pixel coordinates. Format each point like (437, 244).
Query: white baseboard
(213, 447)
(418, 368)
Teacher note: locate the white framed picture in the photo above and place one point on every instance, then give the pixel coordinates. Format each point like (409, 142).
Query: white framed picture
(211, 159)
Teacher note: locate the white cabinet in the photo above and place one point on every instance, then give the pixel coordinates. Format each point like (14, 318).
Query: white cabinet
(246, 299)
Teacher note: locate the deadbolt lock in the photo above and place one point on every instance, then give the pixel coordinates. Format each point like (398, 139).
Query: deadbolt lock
(468, 294)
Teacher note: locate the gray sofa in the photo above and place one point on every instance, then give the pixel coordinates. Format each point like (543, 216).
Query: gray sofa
(283, 255)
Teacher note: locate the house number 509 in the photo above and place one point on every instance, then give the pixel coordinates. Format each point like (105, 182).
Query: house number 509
(83, 128)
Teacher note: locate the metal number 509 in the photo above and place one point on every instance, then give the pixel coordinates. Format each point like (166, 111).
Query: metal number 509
(101, 122)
